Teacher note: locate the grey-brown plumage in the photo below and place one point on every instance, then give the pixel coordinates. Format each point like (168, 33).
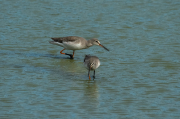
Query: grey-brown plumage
(91, 63)
(75, 43)
(66, 39)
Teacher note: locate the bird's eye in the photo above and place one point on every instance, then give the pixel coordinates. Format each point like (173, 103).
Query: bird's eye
(97, 41)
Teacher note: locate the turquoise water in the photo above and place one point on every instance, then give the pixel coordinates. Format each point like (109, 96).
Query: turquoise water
(138, 78)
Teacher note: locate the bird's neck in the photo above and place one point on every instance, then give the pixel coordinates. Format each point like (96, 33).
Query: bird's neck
(89, 43)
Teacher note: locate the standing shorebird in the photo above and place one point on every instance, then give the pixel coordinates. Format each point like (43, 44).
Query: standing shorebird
(91, 63)
(74, 43)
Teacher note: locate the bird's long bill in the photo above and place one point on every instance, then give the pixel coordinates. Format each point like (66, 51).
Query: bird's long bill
(103, 47)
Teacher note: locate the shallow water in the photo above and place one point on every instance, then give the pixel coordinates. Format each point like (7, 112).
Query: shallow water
(138, 78)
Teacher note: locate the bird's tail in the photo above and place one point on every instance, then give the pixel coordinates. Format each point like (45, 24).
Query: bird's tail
(55, 43)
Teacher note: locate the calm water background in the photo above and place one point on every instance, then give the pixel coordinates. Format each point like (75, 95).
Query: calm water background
(139, 78)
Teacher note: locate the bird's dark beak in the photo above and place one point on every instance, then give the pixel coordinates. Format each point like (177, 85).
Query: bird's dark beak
(104, 47)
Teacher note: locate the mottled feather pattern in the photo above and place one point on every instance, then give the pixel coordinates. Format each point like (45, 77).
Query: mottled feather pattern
(89, 60)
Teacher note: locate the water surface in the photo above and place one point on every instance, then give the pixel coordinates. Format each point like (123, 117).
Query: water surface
(138, 78)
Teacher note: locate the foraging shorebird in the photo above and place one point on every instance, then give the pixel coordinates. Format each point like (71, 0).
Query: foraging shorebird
(91, 63)
(75, 43)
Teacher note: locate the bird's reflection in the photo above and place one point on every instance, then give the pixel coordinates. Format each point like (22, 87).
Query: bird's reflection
(91, 95)
(91, 89)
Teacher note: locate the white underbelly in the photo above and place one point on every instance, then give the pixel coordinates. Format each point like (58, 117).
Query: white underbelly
(72, 46)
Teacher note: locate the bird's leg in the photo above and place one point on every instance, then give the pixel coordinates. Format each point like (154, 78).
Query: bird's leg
(71, 56)
(62, 52)
(89, 73)
(73, 53)
(94, 75)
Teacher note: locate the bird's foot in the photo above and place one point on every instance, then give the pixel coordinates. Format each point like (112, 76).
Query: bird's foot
(71, 56)
(93, 77)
